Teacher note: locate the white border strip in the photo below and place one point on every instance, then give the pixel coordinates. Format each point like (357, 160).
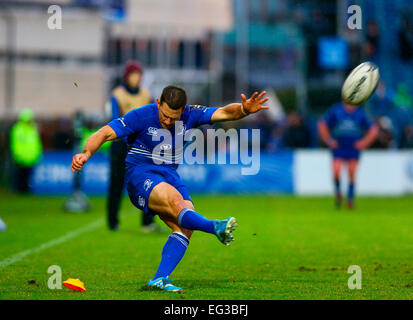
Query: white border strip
(72, 234)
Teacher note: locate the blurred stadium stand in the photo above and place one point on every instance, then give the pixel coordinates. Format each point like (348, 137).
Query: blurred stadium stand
(49, 89)
(40, 67)
(216, 49)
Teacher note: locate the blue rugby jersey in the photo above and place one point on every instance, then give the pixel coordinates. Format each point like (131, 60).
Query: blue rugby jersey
(346, 127)
(143, 133)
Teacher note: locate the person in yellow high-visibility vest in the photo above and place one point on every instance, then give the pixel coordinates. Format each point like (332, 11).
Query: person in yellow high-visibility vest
(26, 149)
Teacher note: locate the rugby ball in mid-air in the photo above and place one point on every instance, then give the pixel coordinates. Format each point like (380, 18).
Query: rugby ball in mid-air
(360, 84)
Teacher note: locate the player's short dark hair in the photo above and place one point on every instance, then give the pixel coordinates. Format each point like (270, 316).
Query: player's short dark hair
(174, 96)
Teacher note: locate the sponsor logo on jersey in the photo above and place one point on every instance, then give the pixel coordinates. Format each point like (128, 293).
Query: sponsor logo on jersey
(147, 184)
(165, 147)
(141, 201)
(195, 107)
(152, 131)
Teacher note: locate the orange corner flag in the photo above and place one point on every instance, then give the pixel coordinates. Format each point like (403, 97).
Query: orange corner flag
(74, 284)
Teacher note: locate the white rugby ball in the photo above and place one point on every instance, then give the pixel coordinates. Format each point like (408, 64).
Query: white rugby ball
(360, 83)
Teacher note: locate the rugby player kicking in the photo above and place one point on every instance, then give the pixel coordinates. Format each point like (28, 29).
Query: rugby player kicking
(153, 184)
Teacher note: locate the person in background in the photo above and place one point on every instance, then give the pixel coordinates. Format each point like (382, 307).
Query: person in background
(403, 112)
(297, 134)
(385, 137)
(405, 36)
(407, 142)
(346, 130)
(372, 44)
(26, 149)
(63, 136)
(124, 98)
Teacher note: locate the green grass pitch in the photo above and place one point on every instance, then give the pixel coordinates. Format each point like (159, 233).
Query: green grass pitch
(285, 248)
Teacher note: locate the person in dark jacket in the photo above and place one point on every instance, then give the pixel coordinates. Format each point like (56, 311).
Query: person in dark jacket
(124, 98)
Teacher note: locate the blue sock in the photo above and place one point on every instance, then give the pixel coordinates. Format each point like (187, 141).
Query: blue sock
(350, 191)
(172, 252)
(191, 220)
(337, 186)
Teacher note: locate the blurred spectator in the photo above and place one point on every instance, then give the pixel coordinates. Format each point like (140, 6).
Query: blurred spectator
(407, 141)
(274, 142)
(26, 149)
(63, 137)
(372, 41)
(403, 98)
(47, 129)
(384, 138)
(297, 134)
(265, 124)
(316, 25)
(382, 101)
(398, 106)
(406, 40)
(403, 112)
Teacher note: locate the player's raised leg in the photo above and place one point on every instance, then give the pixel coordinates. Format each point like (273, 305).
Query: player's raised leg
(169, 203)
(352, 168)
(337, 163)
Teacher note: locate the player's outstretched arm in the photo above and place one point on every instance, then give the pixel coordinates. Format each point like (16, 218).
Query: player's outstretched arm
(92, 145)
(368, 139)
(325, 135)
(235, 111)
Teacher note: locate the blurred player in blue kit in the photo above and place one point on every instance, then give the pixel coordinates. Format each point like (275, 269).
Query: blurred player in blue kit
(156, 187)
(346, 130)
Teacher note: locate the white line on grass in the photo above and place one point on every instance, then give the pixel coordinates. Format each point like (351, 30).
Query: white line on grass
(18, 256)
